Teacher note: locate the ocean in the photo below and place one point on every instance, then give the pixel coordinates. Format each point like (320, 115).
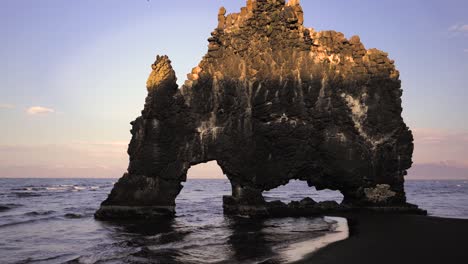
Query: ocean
(51, 221)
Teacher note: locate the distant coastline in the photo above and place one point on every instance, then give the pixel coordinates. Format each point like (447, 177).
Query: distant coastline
(206, 178)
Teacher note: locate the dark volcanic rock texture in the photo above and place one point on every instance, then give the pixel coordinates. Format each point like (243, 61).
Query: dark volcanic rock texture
(271, 101)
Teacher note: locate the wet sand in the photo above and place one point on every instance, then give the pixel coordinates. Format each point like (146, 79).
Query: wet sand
(398, 239)
(298, 251)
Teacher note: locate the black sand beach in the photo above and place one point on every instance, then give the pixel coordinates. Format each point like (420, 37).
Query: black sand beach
(398, 239)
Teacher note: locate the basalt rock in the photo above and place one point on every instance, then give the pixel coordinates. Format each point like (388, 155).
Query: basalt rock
(271, 101)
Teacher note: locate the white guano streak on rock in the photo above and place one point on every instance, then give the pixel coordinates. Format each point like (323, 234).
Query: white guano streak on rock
(359, 114)
(209, 129)
(322, 99)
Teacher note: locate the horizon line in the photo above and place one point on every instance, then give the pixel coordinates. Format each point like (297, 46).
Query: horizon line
(204, 178)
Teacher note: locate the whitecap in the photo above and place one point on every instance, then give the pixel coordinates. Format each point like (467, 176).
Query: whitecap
(78, 188)
(55, 189)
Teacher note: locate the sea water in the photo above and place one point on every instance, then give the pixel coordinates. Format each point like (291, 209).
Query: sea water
(51, 221)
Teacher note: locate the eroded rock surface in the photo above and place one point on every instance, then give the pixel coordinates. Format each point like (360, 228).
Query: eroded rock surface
(271, 101)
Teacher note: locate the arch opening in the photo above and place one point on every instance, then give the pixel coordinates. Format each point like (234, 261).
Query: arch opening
(297, 190)
(207, 170)
(203, 190)
(298, 199)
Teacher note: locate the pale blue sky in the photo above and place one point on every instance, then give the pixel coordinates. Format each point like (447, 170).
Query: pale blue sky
(87, 61)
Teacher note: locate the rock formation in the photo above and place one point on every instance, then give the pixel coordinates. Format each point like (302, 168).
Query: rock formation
(271, 101)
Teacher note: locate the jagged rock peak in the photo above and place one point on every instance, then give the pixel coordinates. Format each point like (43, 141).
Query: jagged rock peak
(268, 38)
(293, 2)
(262, 12)
(162, 73)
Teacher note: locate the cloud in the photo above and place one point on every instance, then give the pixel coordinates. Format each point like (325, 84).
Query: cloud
(442, 147)
(39, 110)
(438, 154)
(59, 171)
(437, 171)
(430, 135)
(459, 28)
(75, 159)
(102, 143)
(6, 106)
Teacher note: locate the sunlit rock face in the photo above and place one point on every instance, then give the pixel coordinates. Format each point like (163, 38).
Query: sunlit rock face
(271, 101)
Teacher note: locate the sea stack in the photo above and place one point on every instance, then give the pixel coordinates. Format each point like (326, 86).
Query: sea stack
(271, 101)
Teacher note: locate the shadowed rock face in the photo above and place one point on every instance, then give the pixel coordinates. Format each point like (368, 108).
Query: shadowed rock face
(271, 101)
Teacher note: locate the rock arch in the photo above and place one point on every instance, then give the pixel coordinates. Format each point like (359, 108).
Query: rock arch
(271, 101)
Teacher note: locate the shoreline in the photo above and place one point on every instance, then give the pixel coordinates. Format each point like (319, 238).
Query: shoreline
(339, 232)
(389, 238)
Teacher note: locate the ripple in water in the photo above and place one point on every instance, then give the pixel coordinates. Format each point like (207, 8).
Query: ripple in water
(51, 221)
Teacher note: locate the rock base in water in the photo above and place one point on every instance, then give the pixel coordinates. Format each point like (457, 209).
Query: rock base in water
(308, 207)
(134, 212)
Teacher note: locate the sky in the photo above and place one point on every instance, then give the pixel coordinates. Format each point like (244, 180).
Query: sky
(74, 72)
